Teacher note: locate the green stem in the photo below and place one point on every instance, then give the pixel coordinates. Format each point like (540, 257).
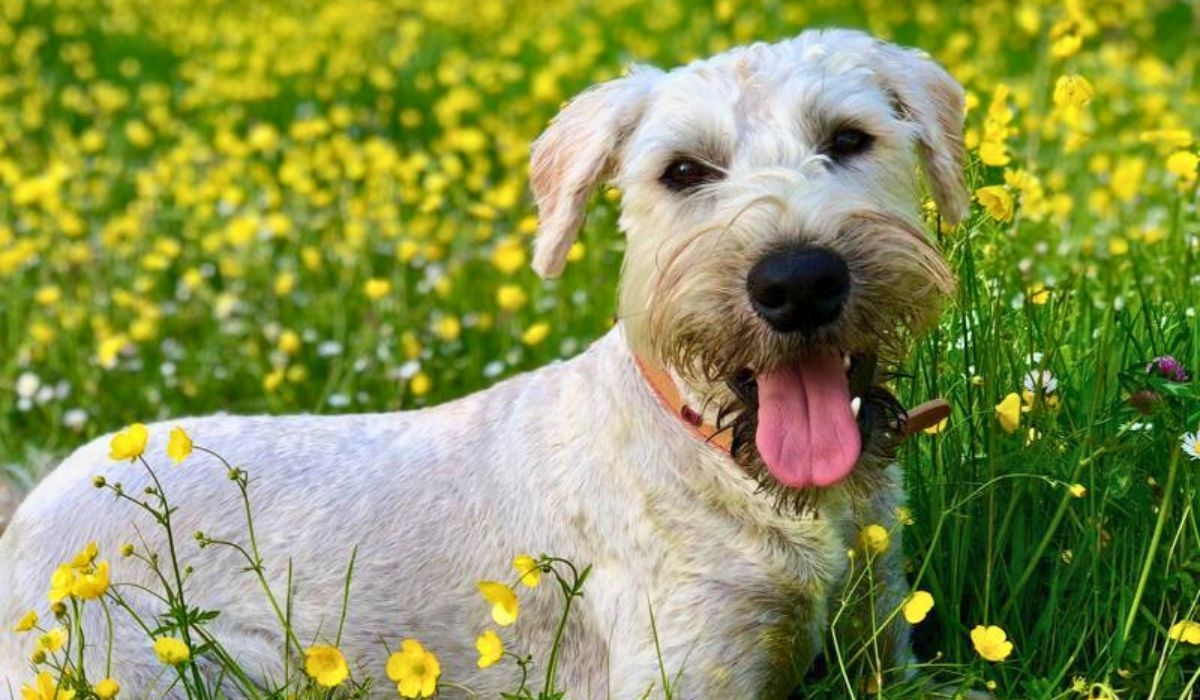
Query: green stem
(1036, 558)
(1163, 512)
(77, 636)
(346, 595)
(255, 557)
(572, 592)
(181, 611)
(108, 656)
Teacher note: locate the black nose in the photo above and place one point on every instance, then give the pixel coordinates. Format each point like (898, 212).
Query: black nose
(799, 289)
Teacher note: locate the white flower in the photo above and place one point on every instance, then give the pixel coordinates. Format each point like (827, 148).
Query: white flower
(44, 395)
(1040, 381)
(1190, 443)
(406, 371)
(27, 385)
(75, 418)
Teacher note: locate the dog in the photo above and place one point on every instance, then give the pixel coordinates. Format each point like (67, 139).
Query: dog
(713, 457)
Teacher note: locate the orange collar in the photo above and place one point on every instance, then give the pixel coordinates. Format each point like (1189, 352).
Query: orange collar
(668, 395)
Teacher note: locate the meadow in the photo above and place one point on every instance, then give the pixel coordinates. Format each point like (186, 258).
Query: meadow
(310, 206)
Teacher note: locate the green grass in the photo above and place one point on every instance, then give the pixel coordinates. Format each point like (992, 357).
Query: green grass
(400, 148)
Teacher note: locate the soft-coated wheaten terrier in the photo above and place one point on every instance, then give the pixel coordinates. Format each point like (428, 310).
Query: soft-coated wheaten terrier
(713, 457)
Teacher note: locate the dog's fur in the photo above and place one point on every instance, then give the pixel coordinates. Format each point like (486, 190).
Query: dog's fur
(579, 459)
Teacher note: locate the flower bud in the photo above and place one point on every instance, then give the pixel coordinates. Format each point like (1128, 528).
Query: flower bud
(1144, 401)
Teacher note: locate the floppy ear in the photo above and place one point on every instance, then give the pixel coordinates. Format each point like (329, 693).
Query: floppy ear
(578, 150)
(928, 96)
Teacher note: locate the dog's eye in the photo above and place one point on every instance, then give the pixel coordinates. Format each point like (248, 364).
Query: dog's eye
(683, 174)
(849, 142)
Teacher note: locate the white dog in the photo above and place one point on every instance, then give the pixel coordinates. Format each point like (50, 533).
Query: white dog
(713, 457)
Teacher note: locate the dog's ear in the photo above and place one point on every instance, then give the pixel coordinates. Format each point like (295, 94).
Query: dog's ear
(577, 151)
(928, 96)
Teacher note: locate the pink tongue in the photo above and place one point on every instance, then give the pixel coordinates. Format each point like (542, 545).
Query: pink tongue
(807, 435)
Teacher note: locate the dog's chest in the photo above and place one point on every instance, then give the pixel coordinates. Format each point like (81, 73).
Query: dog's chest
(749, 592)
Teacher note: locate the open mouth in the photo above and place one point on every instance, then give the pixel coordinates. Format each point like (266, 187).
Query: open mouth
(813, 415)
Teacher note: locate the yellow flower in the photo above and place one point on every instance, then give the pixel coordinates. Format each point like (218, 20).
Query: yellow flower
(490, 647)
(1182, 164)
(285, 283)
(528, 569)
(61, 582)
(1008, 412)
(414, 670)
(377, 288)
(1065, 38)
(263, 137)
(448, 328)
(139, 134)
(993, 153)
(289, 342)
(1072, 91)
(536, 333)
(109, 350)
(27, 622)
(89, 585)
(180, 445)
(509, 255)
(991, 642)
(1037, 294)
(45, 688)
(326, 665)
(510, 297)
(503, 600)
(106, 689)
(171, 651)
(47, 295)
(1187, 632)
(1077, 490)
(272, 381)
(996, 201)
(917, 606)
(53, 640)
(874, 539)
(1171, 138)
(130, 443)
(420, 384)
(86, 556)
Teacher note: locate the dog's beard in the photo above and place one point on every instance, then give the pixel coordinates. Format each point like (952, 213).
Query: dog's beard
(722, 363)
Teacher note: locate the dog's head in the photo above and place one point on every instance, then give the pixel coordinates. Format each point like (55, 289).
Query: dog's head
(776, 252)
